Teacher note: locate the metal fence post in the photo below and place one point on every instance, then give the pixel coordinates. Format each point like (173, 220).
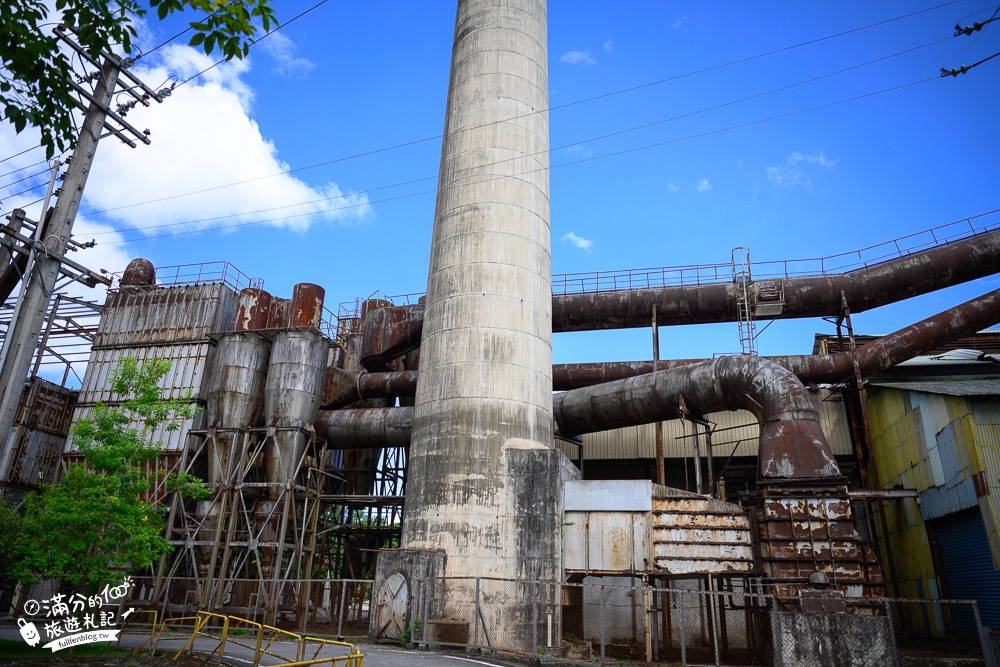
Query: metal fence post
(683, 630)
(713, 622)
(984, 638)
(427, 605)
(476, 616)
(340, 614)
(603, 625)
(534, 622)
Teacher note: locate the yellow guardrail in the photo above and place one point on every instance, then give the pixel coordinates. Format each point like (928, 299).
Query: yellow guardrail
(131, 618)
(264, 638)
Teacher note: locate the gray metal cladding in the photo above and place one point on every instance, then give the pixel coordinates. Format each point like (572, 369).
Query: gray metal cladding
(236, 384)
(295, 377)
(165, 315)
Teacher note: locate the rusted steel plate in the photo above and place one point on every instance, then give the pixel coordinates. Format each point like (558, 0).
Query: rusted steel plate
(279, 314)
(51, 410)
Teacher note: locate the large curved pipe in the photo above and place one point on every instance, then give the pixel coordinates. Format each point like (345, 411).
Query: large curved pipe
(792, 444)
(817, 296)
(887, 351)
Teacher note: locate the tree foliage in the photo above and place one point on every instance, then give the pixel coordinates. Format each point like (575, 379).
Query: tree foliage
(35, 73)
(101, 518)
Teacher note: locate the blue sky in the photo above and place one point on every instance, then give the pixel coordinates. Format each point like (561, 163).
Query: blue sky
(362, 87)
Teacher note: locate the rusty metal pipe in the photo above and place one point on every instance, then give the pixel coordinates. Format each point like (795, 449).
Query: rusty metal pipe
(346, 387)
(816, 296)
(887, 351)
(393, 332)
(792, 444)
(367, 428)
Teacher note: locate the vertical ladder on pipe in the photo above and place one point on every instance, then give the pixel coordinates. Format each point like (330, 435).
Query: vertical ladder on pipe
(742, 279)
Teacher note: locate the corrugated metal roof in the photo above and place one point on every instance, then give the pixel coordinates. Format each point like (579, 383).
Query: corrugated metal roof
(941, 360)
(966, 387)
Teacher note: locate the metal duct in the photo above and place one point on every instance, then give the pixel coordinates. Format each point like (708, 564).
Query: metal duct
(345, 387)
(816, 296)
(887, 351)
(792, 444)
(390, 334)
(370, 428)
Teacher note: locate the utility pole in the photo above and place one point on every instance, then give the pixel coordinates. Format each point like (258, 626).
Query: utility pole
(46, 251)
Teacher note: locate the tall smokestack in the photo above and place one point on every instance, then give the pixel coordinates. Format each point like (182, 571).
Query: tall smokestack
(484, 399)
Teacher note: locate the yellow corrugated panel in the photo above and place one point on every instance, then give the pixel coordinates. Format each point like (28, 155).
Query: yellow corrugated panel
(987, 454)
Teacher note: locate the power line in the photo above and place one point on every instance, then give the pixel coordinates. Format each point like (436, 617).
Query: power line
(514, 118)
(558, 166)
(37, 173)
(11, 173)
(27, 150)
(256, 41)
(564, 146)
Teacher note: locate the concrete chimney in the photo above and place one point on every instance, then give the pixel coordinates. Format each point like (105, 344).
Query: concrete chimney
(481, 458)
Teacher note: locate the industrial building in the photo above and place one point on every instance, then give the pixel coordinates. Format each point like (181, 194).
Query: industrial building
(428, 443)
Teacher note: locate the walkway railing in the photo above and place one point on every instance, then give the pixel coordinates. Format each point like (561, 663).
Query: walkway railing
(625, 280)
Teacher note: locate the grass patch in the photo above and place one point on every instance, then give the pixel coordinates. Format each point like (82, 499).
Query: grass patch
(10, 648)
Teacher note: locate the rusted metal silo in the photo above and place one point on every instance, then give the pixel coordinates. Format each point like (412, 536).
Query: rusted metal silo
(294, 384)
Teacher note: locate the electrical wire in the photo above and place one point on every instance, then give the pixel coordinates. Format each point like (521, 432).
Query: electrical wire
(11, 173)
(959, 31)
(256, 41)
(31, 203)
(27, 150)
(37, 173)
(564, 146)
(558, 166)
(514, 118)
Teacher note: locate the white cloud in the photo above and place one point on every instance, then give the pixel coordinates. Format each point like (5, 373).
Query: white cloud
(579, 242)
(679, 22)
(583, 57)
(578, 150)
(609, 45)
(704, 186)
(799, 170)
(203, 135)
(672, 188)
(282, 49)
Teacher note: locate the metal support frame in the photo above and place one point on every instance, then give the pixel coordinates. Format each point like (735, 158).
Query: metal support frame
(249, 529)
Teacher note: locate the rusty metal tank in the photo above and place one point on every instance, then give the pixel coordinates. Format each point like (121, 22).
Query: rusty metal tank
(252, 310)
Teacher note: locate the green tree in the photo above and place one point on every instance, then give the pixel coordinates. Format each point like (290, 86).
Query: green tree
(100, 518)
(35, 74)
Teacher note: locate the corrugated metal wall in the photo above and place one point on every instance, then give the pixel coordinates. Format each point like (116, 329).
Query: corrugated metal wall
(171, 323)
(986, 412)
(939, 445)
(36, 442)
(742, 433)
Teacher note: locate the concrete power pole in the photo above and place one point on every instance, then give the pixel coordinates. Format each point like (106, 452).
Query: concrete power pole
(45, 262)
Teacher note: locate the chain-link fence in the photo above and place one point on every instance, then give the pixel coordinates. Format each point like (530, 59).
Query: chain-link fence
(604, 620)
(679, 622)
